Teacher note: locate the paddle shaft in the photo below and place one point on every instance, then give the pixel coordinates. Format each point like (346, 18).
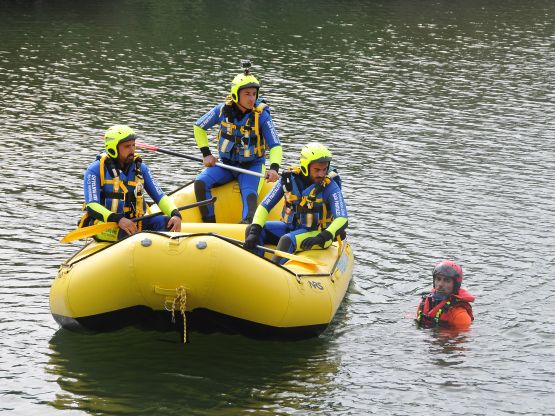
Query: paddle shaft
(275, 252)
(181, 208)
(91, 230)
(198, 159)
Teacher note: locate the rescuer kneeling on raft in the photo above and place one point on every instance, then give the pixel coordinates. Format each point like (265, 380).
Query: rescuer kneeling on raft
(447, 304)
(114, 185)
(314, 212)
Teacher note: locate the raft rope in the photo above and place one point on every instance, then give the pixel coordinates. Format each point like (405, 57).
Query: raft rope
(181, 297)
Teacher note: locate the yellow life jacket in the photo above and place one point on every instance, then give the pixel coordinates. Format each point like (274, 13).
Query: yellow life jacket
(241, 143)
(304, 207)
(120, 196)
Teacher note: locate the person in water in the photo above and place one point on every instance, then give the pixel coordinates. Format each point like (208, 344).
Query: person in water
(447, 304)
(114, 185)
(314, 212)
(246, 130)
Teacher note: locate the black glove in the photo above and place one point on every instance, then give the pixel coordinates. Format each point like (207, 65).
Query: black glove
(318, 240)
(252, 236)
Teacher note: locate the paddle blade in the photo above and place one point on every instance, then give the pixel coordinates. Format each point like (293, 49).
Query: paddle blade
(85, 232)
(294, 257)
(309, 266)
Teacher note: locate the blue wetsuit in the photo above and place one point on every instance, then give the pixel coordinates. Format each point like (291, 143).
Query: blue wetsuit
(104, 204)
(293, 228)
(238, 145)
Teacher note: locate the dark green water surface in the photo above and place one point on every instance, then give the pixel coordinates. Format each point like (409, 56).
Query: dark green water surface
(440, 115)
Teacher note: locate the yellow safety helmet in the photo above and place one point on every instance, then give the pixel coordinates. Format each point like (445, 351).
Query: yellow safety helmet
(314, 152)
(243, 81)
(115, 135)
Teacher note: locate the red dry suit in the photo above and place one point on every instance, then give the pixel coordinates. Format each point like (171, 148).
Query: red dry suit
(453, 311)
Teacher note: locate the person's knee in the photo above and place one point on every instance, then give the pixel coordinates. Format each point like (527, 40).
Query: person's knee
(285, 244)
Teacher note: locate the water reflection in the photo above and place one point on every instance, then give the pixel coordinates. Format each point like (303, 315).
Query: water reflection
(132, 371)
(447, 345)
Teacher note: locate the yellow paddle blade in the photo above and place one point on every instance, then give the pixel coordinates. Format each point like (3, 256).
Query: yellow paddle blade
(279, 253)
(98, 228)
(290, 256)
(309, 266)
(87, 231)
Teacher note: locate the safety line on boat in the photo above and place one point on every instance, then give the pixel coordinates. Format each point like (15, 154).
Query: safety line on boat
(181, 297)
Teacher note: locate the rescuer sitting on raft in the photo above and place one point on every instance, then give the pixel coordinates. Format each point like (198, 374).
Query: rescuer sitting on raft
(114, 184)
(314, 213)
(447, 304)
(246, 130)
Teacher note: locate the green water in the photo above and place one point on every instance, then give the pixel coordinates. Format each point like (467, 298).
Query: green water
(440, 118)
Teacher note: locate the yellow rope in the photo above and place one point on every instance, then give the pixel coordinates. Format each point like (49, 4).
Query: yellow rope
(181, 297)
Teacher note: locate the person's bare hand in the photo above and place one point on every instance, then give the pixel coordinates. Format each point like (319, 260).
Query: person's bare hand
(174, 224)
(272, 176)
(127, 225)
(209, 160)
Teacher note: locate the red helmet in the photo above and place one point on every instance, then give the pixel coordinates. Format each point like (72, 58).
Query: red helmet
(449, 269)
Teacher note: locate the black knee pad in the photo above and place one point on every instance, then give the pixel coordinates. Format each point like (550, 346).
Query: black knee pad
(252, 203)
(200, 190)
(200, 194)
(284, 244)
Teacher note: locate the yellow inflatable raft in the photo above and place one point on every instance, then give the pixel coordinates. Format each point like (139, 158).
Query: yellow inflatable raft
(202, 278)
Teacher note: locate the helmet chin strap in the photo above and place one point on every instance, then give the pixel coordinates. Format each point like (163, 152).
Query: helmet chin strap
(241, 108)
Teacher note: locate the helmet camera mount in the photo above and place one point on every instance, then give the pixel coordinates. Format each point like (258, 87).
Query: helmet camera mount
(246, 65)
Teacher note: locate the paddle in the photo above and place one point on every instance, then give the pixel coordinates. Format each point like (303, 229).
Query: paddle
(198, 159)
(275, 252)
(85, 232)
